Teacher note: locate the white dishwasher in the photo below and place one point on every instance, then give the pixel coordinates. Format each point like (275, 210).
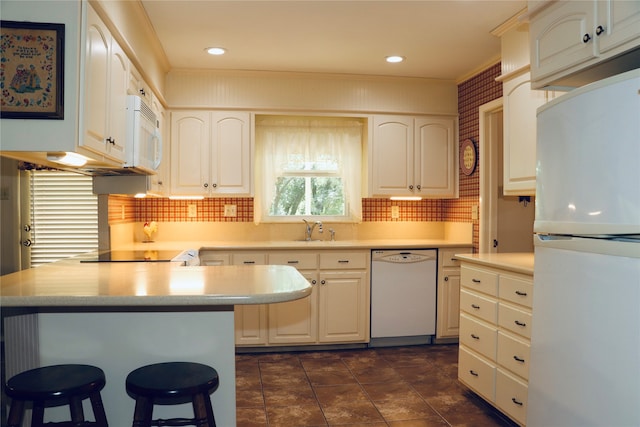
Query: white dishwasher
(403, 296)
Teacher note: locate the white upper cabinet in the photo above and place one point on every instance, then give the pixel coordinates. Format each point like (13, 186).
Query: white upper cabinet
(210, 153)
(520, 103)
(571, 39)
(413, 156)
(435, 157)
(519, 163)
(106, 80)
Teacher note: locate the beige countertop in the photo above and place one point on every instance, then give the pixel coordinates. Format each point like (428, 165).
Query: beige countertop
(71, 283)
(297, 245)
(516, 262)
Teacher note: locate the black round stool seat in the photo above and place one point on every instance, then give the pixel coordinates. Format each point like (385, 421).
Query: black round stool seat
(172, 383)
(57, 385)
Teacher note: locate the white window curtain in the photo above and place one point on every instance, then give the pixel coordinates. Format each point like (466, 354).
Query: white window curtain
(330, 146)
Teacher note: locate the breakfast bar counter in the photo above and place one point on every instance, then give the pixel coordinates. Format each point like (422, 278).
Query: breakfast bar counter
(120, 316)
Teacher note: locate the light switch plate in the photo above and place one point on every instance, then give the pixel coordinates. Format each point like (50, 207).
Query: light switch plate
(474, 212)
(192, 211)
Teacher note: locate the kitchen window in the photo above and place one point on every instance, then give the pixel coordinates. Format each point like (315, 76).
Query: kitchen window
(308, 167)
(64, 215)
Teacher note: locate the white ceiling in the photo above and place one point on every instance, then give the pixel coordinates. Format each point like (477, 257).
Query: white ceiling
(440, 39)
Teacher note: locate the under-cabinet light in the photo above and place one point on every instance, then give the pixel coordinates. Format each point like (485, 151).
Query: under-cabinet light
(67, 159)
(406, 198)
(186, 197)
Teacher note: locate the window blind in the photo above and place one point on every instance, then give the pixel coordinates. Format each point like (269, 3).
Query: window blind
(64, 216)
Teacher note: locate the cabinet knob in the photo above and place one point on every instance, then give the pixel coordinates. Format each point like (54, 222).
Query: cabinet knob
(411, 187)
(206, 185)
(586, 38)
(446, 278)
(599, 30)
(323, 282)
(214, 185)
(313, 282)
(419, 187)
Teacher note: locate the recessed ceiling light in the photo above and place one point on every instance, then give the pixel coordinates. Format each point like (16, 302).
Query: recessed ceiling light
(394, 58)
(216, 50)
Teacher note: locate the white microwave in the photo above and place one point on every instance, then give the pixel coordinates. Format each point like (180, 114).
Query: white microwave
(143, 149)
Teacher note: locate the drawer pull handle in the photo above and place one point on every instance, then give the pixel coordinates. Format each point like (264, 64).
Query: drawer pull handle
(520, 293)
(475, 337)
(517, 322)
(474, 373)
(249, 262)
(517, 359)
(475, 280)
(292, 262)
(516, 401)
(343, 261)
(477, 307)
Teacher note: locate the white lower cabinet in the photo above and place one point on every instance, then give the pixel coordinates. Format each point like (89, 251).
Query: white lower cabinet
(337, 311)
(495, 331)
(448, 304)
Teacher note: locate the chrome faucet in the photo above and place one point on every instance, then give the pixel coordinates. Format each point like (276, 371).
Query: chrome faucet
(310, 227)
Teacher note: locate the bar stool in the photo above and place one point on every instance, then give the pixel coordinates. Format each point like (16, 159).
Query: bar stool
(55, 386)
(173, 383)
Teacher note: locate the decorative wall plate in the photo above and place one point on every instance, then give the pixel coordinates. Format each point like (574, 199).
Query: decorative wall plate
(468, 156)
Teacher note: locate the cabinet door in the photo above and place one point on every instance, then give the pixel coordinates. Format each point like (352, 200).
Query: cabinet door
(449, 304)
(343, 306)
(435, 158)
(96, 84)
(251, 327)
(295, 322)
(250, 324)
(190, 153)
(620, 22)
(557, 37)
(117, 114)
(520, 105)
(231, 153)
(392, 156)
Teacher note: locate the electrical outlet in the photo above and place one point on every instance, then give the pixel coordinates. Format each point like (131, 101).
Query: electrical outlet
(230, 210)
(395, 212)
(192, 211)
(474, 212)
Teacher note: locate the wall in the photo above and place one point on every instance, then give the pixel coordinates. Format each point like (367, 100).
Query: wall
(472, 93)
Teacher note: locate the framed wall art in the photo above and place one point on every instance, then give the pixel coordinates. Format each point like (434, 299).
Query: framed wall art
(31, 70)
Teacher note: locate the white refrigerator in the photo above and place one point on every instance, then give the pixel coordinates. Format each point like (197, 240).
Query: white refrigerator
(585, 342)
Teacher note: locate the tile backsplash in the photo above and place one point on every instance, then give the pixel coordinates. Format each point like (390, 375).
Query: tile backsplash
(127, 209)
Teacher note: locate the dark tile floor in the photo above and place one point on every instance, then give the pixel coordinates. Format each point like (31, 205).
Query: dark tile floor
(412, 386)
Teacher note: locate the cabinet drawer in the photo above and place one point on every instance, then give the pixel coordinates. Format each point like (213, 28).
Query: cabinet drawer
(513, 354)
(517, 290)
(477, 373)
(249, 259)
(339, 260)
(214, 258)
(301, 261)
(511, 396)
(514, 319)
(479, 306)
(479, 280)
(446, 256)
(478, 336)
